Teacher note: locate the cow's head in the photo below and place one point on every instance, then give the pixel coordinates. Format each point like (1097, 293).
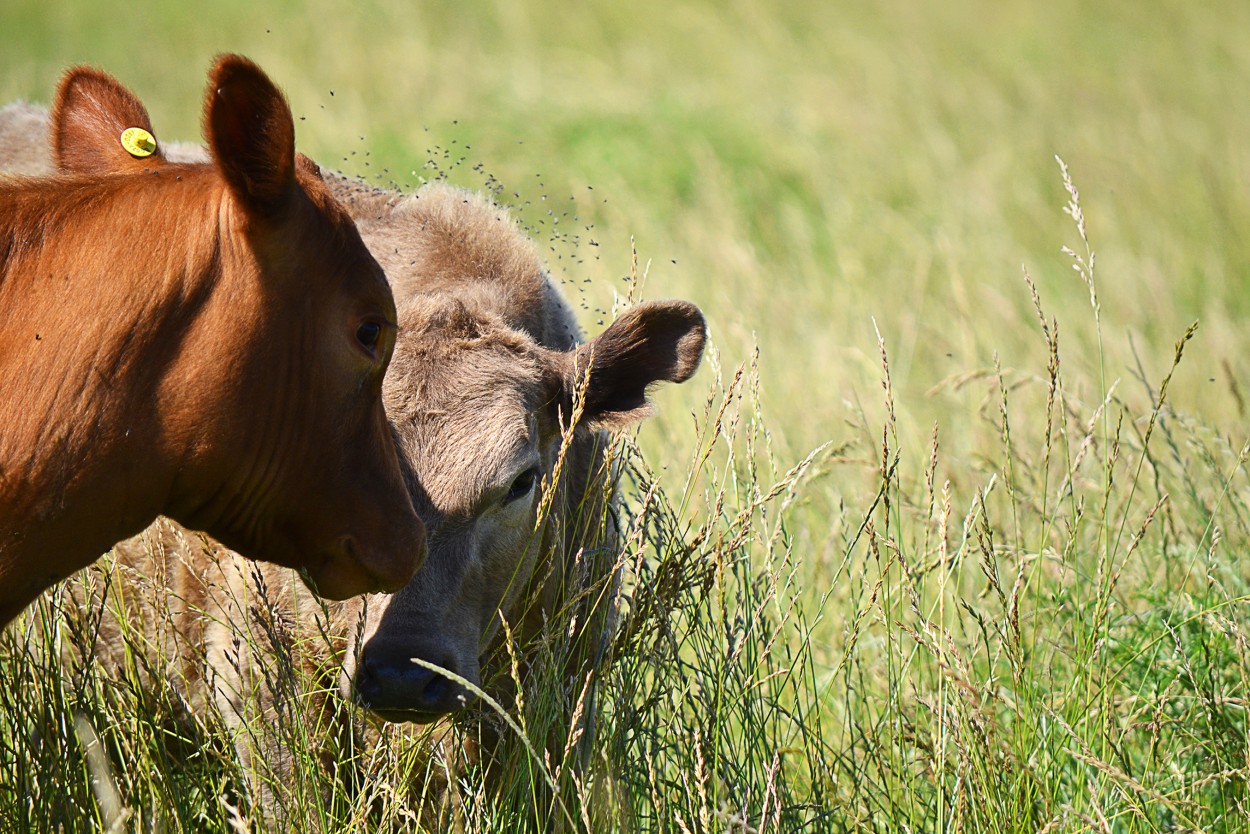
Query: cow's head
(269, 400)
(479, 409)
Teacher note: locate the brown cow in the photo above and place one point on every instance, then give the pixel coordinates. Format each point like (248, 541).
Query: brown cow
(487, 370)
(205, 341)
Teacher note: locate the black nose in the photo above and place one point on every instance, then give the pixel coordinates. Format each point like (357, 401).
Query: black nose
(398, 689)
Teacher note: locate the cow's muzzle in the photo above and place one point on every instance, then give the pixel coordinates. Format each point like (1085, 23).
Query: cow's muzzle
(400, 690)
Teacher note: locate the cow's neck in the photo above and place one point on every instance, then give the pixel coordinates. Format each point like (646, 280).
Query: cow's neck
(92, 308)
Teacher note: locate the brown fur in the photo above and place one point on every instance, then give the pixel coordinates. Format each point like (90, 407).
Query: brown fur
(181, 339)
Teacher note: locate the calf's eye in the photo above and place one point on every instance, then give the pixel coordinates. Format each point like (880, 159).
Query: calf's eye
(368, 333)
(522, 485)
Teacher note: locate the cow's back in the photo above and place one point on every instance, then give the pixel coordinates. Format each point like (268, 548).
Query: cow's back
(24, 140)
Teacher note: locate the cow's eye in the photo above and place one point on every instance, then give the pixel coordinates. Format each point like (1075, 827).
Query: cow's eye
(522, 486)
(367, 334)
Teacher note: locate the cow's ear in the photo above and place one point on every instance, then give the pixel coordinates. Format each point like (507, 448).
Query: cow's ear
(99, 127)
(251, 134)
(657, 341)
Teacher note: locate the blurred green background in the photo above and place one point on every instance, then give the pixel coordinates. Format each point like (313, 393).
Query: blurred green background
(799, 169)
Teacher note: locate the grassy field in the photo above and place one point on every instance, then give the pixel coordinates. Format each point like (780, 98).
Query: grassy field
(954, 521)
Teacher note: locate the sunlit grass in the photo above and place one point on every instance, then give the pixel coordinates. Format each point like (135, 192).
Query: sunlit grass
(985, 603)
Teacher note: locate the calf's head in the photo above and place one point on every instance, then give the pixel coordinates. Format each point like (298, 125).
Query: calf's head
(270, 396)
(479, 409)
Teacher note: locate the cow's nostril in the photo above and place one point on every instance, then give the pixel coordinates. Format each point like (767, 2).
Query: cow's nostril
(436, 689)
(401, 687)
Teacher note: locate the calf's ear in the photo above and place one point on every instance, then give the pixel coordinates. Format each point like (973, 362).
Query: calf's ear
(91, 121)
(657, 341)
(250, 133)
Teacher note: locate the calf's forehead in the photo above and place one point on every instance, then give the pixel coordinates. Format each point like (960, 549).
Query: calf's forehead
(466, 426)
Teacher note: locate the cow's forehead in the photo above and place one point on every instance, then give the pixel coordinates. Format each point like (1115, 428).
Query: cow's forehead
(478, 376)
(460, 458)
(451, 360)
(467, 421)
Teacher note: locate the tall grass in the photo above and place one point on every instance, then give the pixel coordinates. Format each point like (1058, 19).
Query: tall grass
(939, 545)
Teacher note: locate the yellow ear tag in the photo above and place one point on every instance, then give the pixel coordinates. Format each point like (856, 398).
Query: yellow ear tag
(138, 142)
